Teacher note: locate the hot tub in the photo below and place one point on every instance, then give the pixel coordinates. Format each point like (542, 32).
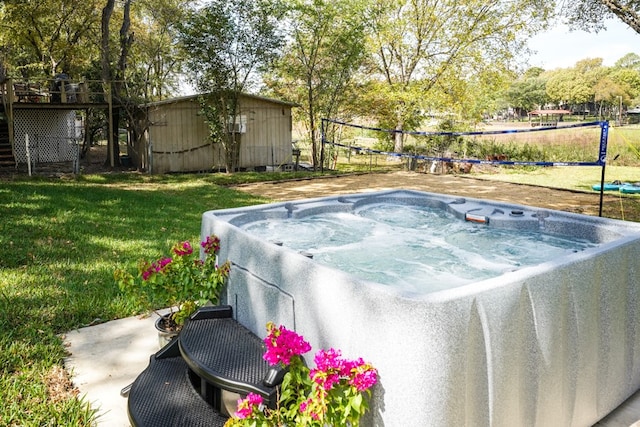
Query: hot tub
(551, 344)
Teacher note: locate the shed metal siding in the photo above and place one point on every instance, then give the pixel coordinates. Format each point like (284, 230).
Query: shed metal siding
(267, 141)
(179, 136)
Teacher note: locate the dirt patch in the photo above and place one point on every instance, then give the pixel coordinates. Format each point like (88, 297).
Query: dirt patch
(617, 207)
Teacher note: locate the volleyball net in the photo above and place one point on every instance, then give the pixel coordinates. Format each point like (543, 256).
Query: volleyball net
(564, 144)
(583, 140)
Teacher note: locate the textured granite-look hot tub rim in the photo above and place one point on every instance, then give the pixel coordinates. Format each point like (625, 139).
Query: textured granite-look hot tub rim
(546, 346)
(614, 237)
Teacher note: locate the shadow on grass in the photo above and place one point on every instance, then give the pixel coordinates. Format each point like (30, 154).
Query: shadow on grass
(60, 242)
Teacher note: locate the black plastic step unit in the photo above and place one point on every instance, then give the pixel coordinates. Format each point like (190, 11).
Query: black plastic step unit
(227, 356)
(191, 381)
(163, 396)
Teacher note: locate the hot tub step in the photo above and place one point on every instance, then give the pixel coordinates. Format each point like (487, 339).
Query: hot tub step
(163, 396)
(227, 356)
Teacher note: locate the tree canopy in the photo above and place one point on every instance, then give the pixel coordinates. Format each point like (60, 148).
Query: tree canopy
(432, 49)
(48, 37)
(227, 45)
(324, 50)
(392, 62)
(590, 15)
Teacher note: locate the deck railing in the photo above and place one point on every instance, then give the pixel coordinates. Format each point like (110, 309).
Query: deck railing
(54, 91)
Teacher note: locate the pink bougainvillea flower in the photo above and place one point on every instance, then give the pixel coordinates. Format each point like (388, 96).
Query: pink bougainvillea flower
(247, 405)
(211, 245)
(155, 267)
(162, 263)
(329, 360)
(308, 407)
(183, 249)
(282, 344)
(330, 366)
(364, 377)
(147, 270)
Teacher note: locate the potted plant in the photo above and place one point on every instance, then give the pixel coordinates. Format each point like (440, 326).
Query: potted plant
(331, 394)
(183, 281)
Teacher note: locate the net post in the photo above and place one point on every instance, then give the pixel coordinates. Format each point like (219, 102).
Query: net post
(602, 159)
(322, 139)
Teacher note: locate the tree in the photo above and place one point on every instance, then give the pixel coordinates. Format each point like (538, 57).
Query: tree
(154, 65)
(93, 40)
(113, 75)
(135, 82)
(628, 80)
(43, 38)
(226, 44)
(527, 93)
(325, 48)
(568, 87)
(608, 93)
(590, 15)
(630, 60)
(443, 43)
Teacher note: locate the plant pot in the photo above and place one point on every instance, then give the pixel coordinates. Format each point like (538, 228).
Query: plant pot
(167, 330)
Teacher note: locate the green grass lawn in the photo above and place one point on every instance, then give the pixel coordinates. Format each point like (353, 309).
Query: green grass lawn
(570, 178)
(60, 241)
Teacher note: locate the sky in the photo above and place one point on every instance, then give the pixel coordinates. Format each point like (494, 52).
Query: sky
(561, 48)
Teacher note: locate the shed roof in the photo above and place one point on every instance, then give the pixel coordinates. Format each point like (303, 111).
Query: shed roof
(195, 97)
(543, 112)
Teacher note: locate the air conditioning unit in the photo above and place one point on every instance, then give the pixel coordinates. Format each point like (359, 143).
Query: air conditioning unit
(239, 125)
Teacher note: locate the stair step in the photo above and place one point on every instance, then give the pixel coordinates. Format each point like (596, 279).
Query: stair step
(228, 355)
(163, 396)
(197, 377)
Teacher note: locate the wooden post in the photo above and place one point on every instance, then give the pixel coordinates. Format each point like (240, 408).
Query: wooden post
(63, 93)
(83, 95)
(28, 149)
(111, 141)
(9, 110)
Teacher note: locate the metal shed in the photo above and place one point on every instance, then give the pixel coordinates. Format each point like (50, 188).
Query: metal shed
(177, 139)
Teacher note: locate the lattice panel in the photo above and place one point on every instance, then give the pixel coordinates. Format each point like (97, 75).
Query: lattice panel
(52, 135)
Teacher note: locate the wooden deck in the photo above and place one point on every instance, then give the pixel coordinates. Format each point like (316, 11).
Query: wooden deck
(57, 93)
(59, 106)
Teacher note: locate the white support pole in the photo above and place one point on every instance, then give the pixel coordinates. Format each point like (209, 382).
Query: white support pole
(150, 156)
(26, 142)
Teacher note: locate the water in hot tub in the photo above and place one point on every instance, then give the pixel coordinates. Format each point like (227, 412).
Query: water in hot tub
(417, 248)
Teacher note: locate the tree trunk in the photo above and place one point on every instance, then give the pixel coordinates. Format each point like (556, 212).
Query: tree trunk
(115, 138)
(105, 65)
(398, 139)
(105, 55)
(117, 93)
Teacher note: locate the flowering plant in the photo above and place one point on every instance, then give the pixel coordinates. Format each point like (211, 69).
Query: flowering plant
(331, 394)
(182, 280)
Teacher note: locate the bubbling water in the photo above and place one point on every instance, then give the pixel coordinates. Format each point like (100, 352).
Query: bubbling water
(416, 248)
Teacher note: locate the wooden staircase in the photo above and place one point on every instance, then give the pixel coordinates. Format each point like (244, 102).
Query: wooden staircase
(6, 152)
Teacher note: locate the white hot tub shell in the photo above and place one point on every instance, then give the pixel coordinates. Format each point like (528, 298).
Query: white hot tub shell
(555, 344)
